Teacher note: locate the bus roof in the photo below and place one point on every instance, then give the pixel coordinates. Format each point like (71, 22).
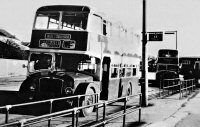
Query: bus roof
(64, 8)
(72, 8)
(168, 50)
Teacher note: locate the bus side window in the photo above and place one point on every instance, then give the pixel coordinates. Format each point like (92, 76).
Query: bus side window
(114, 72)
(122, 72)
(134, 72)
(128, 72)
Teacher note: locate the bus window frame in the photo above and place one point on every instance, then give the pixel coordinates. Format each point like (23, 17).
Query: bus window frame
(59, 27)
(90, 26)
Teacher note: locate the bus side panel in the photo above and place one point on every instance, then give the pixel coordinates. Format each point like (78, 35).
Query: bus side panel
(130, 82)
(135, 85)
(113, 88)
(12, 72)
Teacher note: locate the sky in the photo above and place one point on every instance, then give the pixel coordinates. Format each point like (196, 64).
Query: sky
(161, 15)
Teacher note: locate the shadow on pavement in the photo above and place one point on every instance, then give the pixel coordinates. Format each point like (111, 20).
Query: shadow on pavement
(136, 124)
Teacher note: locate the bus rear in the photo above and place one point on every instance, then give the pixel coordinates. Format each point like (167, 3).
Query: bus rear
(167, 64)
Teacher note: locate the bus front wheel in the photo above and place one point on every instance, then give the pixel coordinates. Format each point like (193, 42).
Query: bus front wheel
(87, 100)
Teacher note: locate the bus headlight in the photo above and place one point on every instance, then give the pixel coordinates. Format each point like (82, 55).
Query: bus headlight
(32, 88)
(68, 91)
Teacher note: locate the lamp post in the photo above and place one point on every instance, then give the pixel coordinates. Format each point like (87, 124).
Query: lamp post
(144, 85)
(173, 32)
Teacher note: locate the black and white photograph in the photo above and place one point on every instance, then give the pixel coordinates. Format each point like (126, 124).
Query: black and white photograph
(99, 63)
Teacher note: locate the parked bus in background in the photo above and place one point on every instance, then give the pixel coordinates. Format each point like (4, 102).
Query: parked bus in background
(76, 50)
(190, 68)
(167, 64)
(13, 55)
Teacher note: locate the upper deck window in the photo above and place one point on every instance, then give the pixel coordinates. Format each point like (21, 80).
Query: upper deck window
(74, 21)
(48, 20)
(61, 20)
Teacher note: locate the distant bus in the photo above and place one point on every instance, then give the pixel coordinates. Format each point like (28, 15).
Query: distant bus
(13, 56)
(76, 50)
(190, 68)
(167, 64)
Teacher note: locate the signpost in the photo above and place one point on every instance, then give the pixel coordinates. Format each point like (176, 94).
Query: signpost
(152, 36)
(155, 36)
(144, 84)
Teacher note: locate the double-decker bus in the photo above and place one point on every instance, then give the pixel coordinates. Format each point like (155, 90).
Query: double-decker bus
(167, 64)
(76, 50)
(13, 56)
(190, 68)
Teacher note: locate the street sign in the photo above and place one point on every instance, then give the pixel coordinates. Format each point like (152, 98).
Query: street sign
(155, 36)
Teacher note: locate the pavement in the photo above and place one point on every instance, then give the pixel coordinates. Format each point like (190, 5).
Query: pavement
(173, 112)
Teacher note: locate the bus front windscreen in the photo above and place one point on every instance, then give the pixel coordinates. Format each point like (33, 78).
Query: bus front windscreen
(61, 20)
(40, 61)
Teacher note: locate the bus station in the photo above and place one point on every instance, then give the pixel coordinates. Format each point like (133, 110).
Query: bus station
(83, 68)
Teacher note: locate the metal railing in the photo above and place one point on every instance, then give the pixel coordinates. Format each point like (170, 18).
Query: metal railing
(74, 112)
(187, 87)
(50, 101)
(118, 114)
(172, 86)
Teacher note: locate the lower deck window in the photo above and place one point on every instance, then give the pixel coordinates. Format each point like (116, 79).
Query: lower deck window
(114, 72)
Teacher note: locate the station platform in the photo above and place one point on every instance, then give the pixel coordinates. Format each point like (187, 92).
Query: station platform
(167, 112)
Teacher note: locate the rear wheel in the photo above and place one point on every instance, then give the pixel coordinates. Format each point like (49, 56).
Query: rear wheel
(88, 100)
(129, 90)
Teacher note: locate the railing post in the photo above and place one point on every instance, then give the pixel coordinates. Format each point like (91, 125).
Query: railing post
(104, 111)
(97, 108)
(193, 85)
(180, 89)
(74, 116)
(8, 107)
(50, 111)
(190, 89)
(187, 88)
(163, 85)
(140, 104)
(168, 82)
(22, 122)
(78, 100)
(124, 115)
(77, 115)
(160, 88)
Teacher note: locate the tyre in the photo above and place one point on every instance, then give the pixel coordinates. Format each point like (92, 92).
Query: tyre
(87, 100)
(129, 90)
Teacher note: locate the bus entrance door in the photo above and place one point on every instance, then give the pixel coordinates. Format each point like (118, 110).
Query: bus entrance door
(105, 79)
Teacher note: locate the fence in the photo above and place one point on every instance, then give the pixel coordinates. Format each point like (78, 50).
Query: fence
(50, 101)
(117, 114)
(171, 86)
(75, 112)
